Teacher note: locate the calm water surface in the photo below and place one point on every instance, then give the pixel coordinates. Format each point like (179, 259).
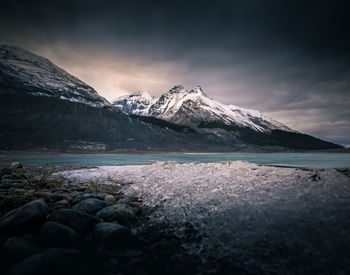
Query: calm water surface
(304, 160)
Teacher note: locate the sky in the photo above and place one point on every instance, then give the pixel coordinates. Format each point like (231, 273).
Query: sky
(288, 59)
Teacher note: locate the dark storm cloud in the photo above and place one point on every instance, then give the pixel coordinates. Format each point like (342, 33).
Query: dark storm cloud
(260, 26)
(289, 59)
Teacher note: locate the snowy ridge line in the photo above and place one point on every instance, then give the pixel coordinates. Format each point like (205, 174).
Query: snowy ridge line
(181, 106)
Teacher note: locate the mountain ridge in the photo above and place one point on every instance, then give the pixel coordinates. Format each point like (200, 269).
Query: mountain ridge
(195, 111)
(169, 104)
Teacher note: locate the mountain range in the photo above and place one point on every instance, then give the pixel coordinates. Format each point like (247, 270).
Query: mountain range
(194, 111)
(43, 107)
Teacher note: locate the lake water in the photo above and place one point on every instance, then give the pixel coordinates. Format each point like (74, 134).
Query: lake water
(303, 160)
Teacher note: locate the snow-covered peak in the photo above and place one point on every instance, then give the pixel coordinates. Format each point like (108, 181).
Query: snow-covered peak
(141, 94)
(194, 108)
(40, 77)
(170, 103)
(134, 96)
(177, 89)
(198, 90)
(136, 103)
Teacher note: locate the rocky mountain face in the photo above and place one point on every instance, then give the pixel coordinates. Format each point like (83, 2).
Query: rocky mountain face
(194, 111)
(43, 106)
(22, 72)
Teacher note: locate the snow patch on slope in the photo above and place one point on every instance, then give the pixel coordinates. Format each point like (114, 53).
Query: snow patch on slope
(34, 71)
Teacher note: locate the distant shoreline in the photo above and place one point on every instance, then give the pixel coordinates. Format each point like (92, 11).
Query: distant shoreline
(310, 160)
(4, 154)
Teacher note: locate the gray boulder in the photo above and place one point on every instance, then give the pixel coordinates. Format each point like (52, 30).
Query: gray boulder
(125, 200)
(83, 196)
(58, 189)
(110, 198)
(108, 214)
(59, 235)
(51, 261)
(78, 220)
(62, 204)
(16, 165)
(111, 234)
(5, 171)
(16, 249)
(51, 197)
(91, 206)
(26, 218)
(13, 176)
(125, 212)
(122, 213)
(77, 187)
(8, 185)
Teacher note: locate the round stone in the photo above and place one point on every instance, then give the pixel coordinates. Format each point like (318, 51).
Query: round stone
(16, 165)
(110, 198)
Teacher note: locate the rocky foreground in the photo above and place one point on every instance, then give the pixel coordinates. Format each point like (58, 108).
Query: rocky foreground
(50, 225)
(194, 218)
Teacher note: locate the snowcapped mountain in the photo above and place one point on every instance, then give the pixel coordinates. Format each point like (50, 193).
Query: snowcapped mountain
(40, 77)
(194, 109)
(136, 103)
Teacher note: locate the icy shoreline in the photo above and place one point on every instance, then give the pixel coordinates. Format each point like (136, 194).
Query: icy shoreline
(244, 211)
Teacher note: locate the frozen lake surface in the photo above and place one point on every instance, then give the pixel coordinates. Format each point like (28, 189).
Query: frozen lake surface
(263, 219)
(305, 160)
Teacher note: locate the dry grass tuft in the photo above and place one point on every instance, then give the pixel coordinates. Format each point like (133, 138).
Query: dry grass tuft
(39, 182)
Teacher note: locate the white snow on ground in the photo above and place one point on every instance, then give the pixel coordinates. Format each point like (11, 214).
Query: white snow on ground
(236, 205)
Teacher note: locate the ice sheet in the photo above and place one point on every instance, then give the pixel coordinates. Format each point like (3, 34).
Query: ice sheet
(233, 208)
